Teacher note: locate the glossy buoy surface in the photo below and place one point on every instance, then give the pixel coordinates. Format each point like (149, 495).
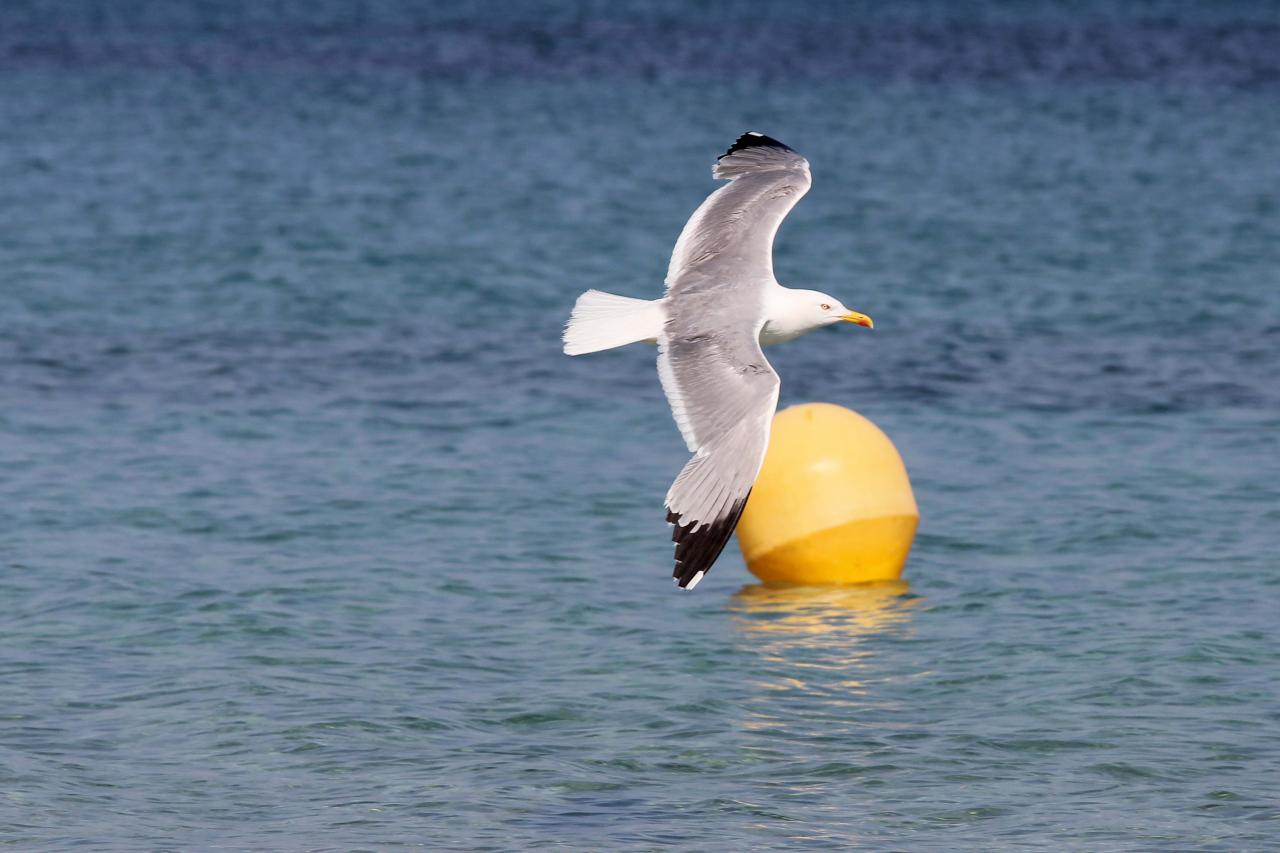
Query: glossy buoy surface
(832, 503)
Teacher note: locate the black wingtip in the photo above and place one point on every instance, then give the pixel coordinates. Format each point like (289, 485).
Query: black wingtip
(753, 139)
(697, 552)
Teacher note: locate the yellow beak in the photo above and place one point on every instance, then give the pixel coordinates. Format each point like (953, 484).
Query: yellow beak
(858, 319)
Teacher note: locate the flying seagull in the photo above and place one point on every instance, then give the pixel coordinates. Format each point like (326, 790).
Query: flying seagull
(722, 304)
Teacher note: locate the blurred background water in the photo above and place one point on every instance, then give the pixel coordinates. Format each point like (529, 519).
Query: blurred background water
(312, 538)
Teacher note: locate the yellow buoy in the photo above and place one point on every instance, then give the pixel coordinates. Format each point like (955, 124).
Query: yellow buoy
(832, 504)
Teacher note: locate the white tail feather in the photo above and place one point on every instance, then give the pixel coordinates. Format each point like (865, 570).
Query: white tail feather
(603, 321)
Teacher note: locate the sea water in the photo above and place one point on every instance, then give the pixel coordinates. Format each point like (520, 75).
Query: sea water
(312, 538)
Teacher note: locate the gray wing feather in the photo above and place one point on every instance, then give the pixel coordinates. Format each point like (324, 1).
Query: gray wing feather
(723, 393)
(730, 236)
(722, 390)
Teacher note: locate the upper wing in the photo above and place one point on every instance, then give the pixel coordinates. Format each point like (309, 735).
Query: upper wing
(731, 233)
(723, 393)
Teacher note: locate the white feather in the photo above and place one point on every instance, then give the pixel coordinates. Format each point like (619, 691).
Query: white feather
(603, 321)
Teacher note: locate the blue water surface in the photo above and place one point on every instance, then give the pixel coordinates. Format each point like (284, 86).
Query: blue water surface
(312, 539)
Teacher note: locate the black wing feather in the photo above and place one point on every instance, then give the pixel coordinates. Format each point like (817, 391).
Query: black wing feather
(697, 552)
(753, 140)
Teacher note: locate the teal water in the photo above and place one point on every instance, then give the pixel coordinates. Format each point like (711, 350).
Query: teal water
(312, 539)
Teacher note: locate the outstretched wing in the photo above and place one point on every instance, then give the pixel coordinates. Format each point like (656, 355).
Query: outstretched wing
(730, 236)
(722, 390)
(723, 394)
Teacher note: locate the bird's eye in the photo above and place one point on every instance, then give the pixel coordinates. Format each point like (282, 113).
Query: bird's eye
(826, 307)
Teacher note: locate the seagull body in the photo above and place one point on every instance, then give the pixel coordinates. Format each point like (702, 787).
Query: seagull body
(722, 304)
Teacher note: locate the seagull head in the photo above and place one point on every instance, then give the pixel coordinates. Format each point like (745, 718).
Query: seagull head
(822, 309)
(790, 313)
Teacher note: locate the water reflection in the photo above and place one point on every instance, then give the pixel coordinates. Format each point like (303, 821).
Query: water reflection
(839, 613)
(818, 672)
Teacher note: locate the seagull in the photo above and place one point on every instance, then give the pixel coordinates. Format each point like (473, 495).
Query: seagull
(722, 304)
